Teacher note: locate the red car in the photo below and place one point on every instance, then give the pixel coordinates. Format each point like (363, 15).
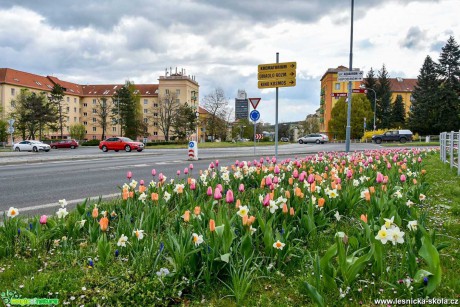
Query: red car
(65, 144)
(120, 143)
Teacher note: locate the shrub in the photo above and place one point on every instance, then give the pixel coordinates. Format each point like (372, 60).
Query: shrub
(91, 143)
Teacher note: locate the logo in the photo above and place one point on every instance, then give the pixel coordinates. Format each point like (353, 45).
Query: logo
(12, 298)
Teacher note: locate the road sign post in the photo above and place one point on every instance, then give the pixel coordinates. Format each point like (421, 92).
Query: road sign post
(254, 116)
(192, 150)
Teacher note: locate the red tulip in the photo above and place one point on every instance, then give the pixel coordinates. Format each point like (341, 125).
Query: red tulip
(43, 219)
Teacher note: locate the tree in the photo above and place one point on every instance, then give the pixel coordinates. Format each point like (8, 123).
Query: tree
(184, 121)
(449, 103)
(3, 131)
(128, 110)
(370, 82)
(216, 104)
(168, 107)
(57, 98)
(398, 113)
(310, 125)
(102, 113)
(383, 91)
(77, 131)
(424, 97)
(360, 109)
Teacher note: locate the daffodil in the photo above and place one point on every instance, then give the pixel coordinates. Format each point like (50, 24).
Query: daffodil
(243, 211)
(122, 241)
(412, 225)
(12, 212)
(163, 272)
(422, 197)
(139, 234)
(133, 184)
(63, 203)
(384, 235)
(197, 239)
(396, 236)
(389, 222)
(142, 197)
(62, 213)
(337, 216)
(279, 245)
(166, 196)
(252, 230)
(273, 207)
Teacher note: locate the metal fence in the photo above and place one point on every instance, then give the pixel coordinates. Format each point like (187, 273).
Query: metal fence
(449, 142)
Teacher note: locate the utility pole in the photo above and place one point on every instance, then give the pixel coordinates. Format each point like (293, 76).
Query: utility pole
(348, 129)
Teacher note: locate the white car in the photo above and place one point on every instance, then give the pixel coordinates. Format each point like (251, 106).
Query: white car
(314, 138)
(30, 145)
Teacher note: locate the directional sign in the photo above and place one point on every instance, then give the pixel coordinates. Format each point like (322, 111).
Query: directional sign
(254, 115)
(10, 130)
(355, 75)
(277, 83)
(339, 94)
(359, 90)
(277, 67)
(259, 136)
(287, 73)
(355, 91)
(254, 102)
(191, 144)
(11, 122)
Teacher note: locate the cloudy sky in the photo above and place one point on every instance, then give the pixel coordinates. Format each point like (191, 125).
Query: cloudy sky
(221, 42)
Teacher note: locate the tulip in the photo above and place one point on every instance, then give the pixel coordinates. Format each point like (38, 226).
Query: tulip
(129, 175)
(379, 177)
(217, 194)
(211, 166)
(276, 170)
(142, 188)
(154, 196)
(104, 223)
(209, 191)
(367, 196)
(276, 180)
(291, 181)
(43, 219)
(229, 197)
(186, 216)
(268, 181)
(285, 209)
(287, 194)
(125, 194)
(212, 225)
(245, 219)
(251, 220)
(190, 166)
(414, 181)
(311, 178)
(141, 182)
(131, 194)
(349, 174)
(178, 173)
(241, 188)
(372, 190)
(302, 176)
(403, 178)
(197, 210)
(295, 173)
(291, 211)
(266, 201)
(363, 218)
(154, 172)
(321, 202)
(238, 204)
(262, 183)
(313, 187)
(192, 185)
(185, 171)
(95, 213)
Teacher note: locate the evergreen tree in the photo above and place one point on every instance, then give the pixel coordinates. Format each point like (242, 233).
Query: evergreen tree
(370, 82)
(383, 90)
(184, 121)
(398, 113)
(449, 73)
(127, 110)
(423, 109)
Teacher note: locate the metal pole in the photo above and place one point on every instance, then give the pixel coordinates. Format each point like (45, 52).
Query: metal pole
(276, 115)
(118, 105)
(254, 138)
(348, 130)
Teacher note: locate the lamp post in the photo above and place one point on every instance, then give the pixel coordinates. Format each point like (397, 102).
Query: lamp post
(197, 114)
(375, 102)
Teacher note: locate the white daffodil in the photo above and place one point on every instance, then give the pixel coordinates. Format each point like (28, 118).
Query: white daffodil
(396, 236)
(273, 207)
(125, 186)
(197, 239)
(409, 203)
(261, 198)
(81, 223)
(422, 197)
(243, 211)
(397, 194)
(166, 196)
(333, 193)
(384, 235)
(252, 229)
(63, 203)
(412, 225)
(12, 212)
(133, 184)
(279, 245)
(122, 241)
(142, 197)
(62, 213)
(152, 184)
(179, 188)
(139, 234)
(337, 216)
(389, 222)
(355, 182)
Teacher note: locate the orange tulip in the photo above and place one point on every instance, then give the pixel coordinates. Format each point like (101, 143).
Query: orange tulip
(272, 195)
(154, 196)
(333, 185)
(414, 181)
(298, 191)
(262, 183)
(189, 180)
(212, 225)
(384, 187)
(339, 186)
(325, 175)
(197, 210)
(313, 187)
(245, 219)
(285, 209)
(363, 218)
(287, 194)
(251, 220)
(104, 223)
(321, 202)
(372, 190)
(142, 188)
(125, 194)
(186, 216)
(367, 196)
(291, 181)
(291, 211)
(238, 204)
(423, 172)
(95, 213)
(131, 194)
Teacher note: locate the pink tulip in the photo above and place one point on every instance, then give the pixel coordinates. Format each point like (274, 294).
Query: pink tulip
(349, 174)
(379, 177)
(249, 163)
(388, 165)
(154, 172)
(403, 178)
(261, 160)
(141, 182)
(217, 163)
(237, 163)
(275, 180)
(338, 180)
(276, 170)
(273, 160)
(311, 178)
(190, 166)
(129, 175)
(192, 185)
(272, 187)
(295, 173)
(185, 171)
(43, 219)
(301, 177)
(217, 194)
(268, 181)
(419, 160)
(229, 197)
(209, 191)
(161, 177)
(178, 172)
(211, 166)
(266, 201)
(241, 187)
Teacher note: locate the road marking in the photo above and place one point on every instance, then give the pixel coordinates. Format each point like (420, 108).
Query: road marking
(56, 204)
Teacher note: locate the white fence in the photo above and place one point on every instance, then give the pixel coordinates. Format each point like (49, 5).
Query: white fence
(449, 142)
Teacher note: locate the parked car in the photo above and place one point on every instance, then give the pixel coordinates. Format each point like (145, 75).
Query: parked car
(64, 144)
(31, 145)
(120, 143)
(314, 138)
(393, 135)
(284, 139)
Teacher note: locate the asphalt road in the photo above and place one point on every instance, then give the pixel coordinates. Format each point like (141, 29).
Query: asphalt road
(34, 182)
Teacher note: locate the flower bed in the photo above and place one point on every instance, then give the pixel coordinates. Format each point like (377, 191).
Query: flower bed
(351, 225)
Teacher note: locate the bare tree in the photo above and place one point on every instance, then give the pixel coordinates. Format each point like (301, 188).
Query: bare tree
(168, 105)
(217, 106)
(103, 112)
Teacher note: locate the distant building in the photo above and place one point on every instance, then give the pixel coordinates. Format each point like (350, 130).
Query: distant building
(241, 105)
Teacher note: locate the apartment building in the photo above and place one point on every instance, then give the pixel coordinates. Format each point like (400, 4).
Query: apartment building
(82, 102)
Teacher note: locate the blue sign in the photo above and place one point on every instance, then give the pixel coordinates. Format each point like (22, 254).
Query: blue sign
(254, 115)
(191, 144)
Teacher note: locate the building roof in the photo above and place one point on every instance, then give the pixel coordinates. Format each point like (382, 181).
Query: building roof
(20, 78)
(402, 85)
(110, 89)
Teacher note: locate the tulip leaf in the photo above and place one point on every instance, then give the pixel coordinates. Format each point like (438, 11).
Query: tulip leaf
(314, 295)
(225, 257)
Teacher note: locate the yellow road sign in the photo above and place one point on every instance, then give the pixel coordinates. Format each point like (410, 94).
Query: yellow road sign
(277, 66)
(279, 74)
(284, 82)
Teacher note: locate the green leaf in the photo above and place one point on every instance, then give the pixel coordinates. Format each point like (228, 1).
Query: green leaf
(314, 295)
(418, 278)
(225, 257)
(430, 254)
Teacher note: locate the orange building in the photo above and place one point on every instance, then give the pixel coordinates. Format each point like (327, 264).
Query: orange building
(332, 90)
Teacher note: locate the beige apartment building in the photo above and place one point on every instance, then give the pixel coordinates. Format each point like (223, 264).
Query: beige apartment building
(81, 102)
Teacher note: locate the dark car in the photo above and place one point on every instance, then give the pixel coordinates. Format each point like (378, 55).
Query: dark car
(393, 136)
(120, 143)
(284, 139)
(64, 144)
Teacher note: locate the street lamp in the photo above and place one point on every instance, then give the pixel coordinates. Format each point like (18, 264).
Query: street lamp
(375, 102)
(197, 114)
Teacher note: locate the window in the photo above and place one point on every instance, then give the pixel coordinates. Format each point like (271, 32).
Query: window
(178, 92)
(146, 101)
(337, 86)
(145, 129)
(68, 118)
(146, 120)
(146, 111)
(75, 119)
(68, 109)
(155, 105)
(75, 100)
(68, 129)
(85, 123)
(178, 101)
(94, 129)
(94, 119)
(85, 104)
(13, 104)
(155, 133)
(68, 99)
(94, 111)
(13, 92)
(167, 91)
(155, 124)
(85, 113)
(94, 101)
(75, 109)
(94, 137)
(155, 114)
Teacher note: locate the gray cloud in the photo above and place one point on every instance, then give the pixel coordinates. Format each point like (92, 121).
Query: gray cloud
(414, 38)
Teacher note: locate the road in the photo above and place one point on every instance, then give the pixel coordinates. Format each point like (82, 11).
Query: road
(34, 182)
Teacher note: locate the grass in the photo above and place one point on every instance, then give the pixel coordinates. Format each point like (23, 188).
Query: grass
(411, 144)
(64, 272)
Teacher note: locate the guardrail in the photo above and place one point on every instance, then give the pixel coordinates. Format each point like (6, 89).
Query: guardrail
(449, 142)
